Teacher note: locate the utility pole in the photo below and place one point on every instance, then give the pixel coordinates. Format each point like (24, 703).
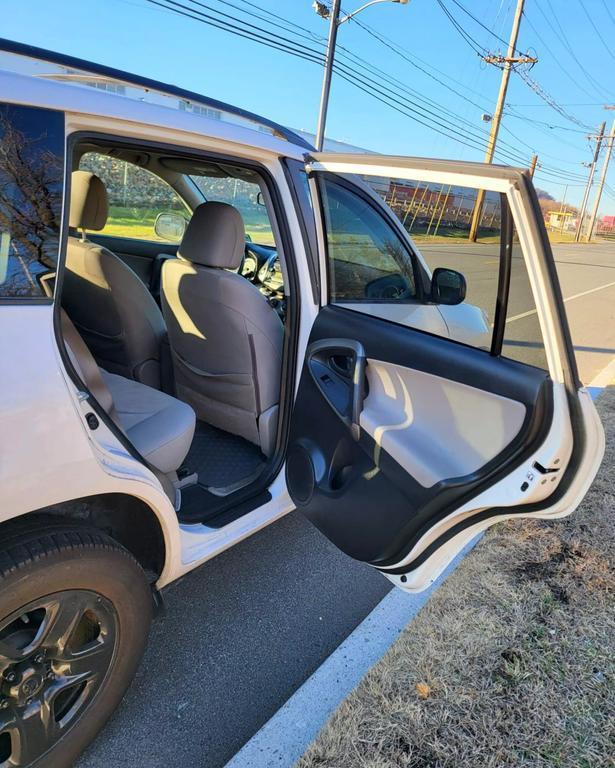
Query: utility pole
(590, 181)
(533, 162)
(506, 62)
(333, 14)
(605, 168)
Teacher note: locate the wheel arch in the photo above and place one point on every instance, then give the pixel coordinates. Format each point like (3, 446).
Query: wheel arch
(127, 519)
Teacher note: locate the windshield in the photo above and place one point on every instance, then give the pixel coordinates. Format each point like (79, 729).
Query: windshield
(246, 197)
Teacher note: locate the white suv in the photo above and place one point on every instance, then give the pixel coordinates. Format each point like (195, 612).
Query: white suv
(206, 324)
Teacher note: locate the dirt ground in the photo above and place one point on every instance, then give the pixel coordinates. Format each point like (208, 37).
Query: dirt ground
(511, 663)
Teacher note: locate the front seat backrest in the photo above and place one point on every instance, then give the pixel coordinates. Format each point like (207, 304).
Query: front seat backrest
(225, 338)
(113, 310)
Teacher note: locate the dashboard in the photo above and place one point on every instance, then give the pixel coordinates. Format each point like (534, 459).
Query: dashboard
(261, 266)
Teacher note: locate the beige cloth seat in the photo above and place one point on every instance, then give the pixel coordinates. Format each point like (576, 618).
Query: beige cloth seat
(159, 426)
(226, 340)
(111, 307)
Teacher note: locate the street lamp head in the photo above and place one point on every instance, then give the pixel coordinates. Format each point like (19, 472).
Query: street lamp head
(321, 9)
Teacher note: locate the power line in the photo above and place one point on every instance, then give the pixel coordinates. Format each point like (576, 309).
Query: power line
(474, 44)
(480, 23)
(360, 80)
(412, 59)
(214, 22)
(567, 104)
(543, 42)
(288, 46)
(539, 91)
(596, 30)
(606, 8)
(597, 87)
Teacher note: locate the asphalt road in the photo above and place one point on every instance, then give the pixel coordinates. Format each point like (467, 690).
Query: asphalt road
(242, 633)
(587, 279)
(239, 636)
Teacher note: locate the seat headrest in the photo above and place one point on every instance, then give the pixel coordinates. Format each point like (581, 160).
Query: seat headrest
(215, 237)
(88, 201)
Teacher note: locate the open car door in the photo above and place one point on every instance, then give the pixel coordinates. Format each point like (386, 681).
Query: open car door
(439, 392)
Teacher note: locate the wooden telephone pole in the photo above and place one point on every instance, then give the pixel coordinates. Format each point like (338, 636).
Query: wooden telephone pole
(601, 183)
(590, 181)
(533, 162)
(506, 62)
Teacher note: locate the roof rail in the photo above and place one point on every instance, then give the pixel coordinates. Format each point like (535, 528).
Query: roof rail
(10, 46)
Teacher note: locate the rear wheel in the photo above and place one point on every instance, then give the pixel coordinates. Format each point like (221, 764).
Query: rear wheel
(75, 611)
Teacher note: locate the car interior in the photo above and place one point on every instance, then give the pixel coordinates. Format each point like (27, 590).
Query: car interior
(177, 325)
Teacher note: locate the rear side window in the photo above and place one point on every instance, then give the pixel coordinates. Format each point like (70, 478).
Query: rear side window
(31, 187)
(480, 295)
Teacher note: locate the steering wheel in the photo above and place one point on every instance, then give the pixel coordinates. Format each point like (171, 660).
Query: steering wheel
(249, 265)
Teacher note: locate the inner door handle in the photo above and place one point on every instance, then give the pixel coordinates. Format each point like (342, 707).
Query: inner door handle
(344, 389)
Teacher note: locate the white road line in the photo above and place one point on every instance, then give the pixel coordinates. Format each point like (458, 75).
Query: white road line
(604, 378)
(286, 736)
(570, 298)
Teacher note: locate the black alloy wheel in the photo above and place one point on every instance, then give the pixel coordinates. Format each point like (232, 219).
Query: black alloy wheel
(55, 653)
(75, 612)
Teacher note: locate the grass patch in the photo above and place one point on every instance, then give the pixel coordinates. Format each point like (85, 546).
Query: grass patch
(138, 223)
(512, 661)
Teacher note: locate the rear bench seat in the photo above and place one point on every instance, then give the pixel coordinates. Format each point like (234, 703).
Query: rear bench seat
(160, 426)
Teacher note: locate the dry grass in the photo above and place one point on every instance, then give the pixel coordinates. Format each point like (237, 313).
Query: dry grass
(511, 663)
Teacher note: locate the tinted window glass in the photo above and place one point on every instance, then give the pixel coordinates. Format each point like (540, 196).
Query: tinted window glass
(522, 333)
(367, 259)
(31, 183)
(370, 269)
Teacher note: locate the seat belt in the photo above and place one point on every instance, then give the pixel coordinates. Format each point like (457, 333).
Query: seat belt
(87, 368)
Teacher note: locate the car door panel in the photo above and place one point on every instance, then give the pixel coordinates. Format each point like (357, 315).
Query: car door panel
(401, 452)
(390, 503)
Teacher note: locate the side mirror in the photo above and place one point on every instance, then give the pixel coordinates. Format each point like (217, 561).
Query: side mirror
(170, 226)
(260, 200)
(447, 286)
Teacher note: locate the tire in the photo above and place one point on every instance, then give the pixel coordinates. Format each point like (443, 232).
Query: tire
(75, 613)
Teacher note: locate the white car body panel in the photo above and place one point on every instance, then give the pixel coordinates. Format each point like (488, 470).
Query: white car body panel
(466, 323)
(78, 462)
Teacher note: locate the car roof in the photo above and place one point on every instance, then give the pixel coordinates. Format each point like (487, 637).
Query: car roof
(54, 68)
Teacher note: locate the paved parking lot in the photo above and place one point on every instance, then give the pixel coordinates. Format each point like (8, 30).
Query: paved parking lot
(244, 631)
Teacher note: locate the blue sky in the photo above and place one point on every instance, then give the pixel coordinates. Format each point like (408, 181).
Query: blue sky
(137, 36)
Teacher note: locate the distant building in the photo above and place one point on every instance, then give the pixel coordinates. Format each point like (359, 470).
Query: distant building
(608, 222)
(561, 220)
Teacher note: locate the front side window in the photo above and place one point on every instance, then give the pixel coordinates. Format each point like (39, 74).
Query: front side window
(136, 198)
(367, 259)
(31, 188)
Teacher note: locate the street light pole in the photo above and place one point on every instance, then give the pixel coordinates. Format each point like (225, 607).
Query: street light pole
(333, 14)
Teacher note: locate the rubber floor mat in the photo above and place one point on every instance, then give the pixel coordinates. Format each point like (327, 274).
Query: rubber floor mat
(222, 459)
